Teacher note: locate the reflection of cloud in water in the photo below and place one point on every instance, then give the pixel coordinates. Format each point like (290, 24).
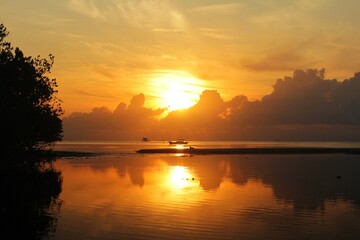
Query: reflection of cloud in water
(307, 181)
(252, 196)
(136, 175)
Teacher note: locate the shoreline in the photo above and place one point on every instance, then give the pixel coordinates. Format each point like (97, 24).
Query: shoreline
(277, 150)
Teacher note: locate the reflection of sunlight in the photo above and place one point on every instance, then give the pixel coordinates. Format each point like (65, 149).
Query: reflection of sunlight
(180, 177)
(180, 155)
(180, 146)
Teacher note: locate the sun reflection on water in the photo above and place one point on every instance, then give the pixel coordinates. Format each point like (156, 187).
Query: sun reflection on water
(180, 177)
(180, 154)
(180, 146)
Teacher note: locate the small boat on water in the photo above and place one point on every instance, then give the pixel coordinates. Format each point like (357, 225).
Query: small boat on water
(145, 139)
(178, 141)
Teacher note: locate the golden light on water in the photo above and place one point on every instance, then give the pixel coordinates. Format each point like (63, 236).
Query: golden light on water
(180, 177)
(180, 146)
(175, 89)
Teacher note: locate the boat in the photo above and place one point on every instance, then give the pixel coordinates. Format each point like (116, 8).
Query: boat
(178, 141)
(145, 139)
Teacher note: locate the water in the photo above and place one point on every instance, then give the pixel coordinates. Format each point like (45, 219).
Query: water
(126, 147)
(124, 195)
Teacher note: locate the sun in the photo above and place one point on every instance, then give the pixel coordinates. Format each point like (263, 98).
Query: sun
(176, 89)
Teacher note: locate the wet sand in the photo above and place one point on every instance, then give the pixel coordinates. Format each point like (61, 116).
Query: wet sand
(278, 150)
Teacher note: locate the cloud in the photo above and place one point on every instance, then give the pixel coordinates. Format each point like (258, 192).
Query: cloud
(206, 113)
(216, 33)
(306, 106)
(306, 98)
(274, 62)
(125, 122)
(285, 58)
(217, 8)
(309, 4)
(89, 94)
(155, 14)
(86, 7)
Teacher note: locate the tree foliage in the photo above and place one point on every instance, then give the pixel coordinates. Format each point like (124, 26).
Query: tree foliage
(30, 109)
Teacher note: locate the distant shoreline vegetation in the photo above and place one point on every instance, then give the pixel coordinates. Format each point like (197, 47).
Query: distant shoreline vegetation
(31, 111)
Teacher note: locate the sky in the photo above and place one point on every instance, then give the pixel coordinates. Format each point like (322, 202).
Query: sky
(108, 51)
(304, 107)
(166, 53)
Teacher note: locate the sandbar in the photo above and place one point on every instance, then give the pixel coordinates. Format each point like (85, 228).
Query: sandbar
(254, 150)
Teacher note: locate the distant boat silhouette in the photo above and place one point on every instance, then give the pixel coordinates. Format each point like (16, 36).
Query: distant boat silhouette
(178, 141)
(145, 139)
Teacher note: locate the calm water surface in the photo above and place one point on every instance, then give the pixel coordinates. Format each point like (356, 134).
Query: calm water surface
(130, 147)
(131, 196)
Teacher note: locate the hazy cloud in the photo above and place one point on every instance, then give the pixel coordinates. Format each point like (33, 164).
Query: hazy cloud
(87, 8)
(274, 62)
(85, 93)
(217, 8)
(156, 14)
(216, 33)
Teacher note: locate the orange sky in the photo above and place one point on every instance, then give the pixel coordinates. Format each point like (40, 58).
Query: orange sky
(108, 51)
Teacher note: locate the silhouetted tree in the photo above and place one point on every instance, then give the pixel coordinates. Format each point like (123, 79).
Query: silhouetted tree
(30, 110)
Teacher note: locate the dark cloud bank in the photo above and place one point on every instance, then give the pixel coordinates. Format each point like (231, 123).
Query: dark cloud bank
(304, 107)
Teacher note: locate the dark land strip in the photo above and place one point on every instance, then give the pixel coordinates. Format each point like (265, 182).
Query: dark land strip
(277, 150)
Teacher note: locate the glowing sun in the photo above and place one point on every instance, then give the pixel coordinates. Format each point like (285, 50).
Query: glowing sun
(176, 89)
